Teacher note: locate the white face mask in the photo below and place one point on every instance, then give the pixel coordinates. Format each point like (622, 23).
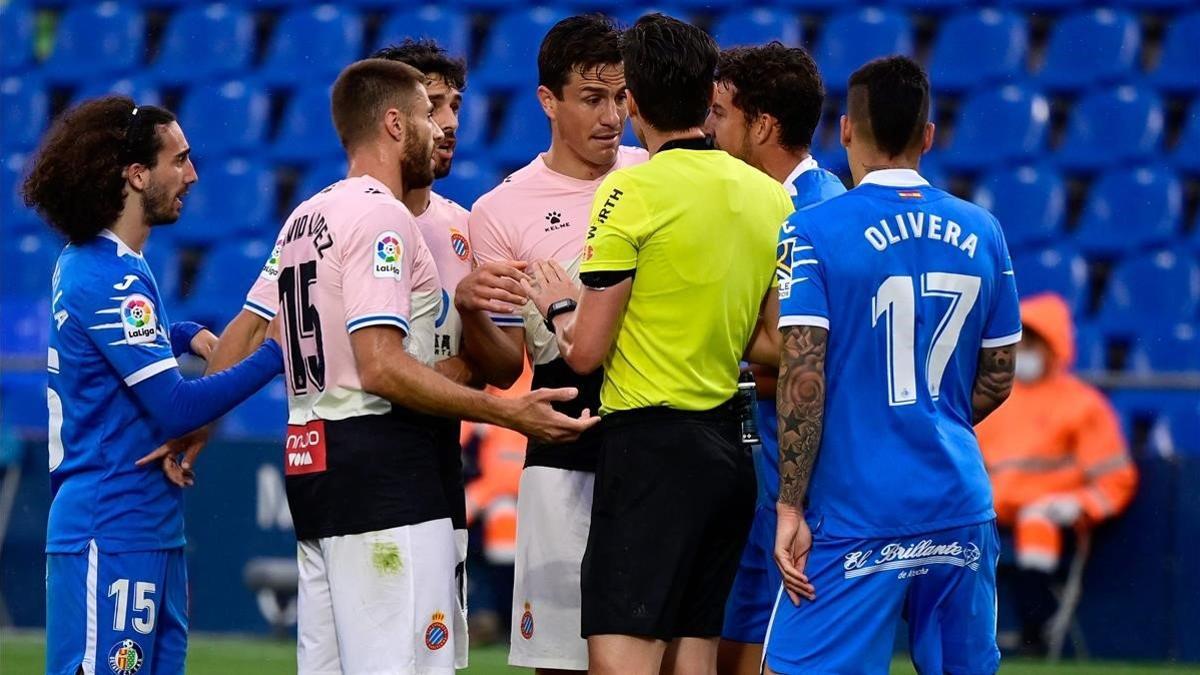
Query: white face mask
(1031, 365)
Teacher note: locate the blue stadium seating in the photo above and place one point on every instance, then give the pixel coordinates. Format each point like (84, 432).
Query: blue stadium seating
(449, 27)
(226, 276)
(509, 57)
(306, 132)
(1043, 5)
(1090, 349)
(142, 90)
(15, 218)
(1057, 269)
(978, 46)
(468, 180)
(232, 197)
(472, 133)
(1131, 208)
(1186, 154)
(206, 41)
(1121, 124)
(808, 6)
(931, 168)
(17, 30)
(628, 15)
(24, 110)
(93, 41)
(30, 263)
(1177, 348)
(852, 38)
(1156, 4)
(166, 262)
(318, 178)
(756, 26)
(313, 44)
(524, 132)
(998, 125)
(1148, 292)
(1177, 432)
(1029, 201)
(263, 416)
(927, 6)
(224, 118)
(1070, 66)
(1177, 71)
(692, 6)
(25, 327)
(23, 402)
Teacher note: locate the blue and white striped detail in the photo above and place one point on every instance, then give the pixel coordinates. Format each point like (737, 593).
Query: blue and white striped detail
(514, 320)
(378, 320)
(1004, 341)
(255, 308)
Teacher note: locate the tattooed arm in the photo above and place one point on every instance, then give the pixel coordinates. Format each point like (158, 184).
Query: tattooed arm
(993, 381)
(801, 403)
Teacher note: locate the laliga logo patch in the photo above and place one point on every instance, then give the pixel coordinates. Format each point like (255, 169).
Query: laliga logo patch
(437, 635)
(527, 623)
(270, 271)
(137, 320)
(458, 242)
(125, 657)
(388, 254)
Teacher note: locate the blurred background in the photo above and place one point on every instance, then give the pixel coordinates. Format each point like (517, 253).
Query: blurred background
(1076, 122)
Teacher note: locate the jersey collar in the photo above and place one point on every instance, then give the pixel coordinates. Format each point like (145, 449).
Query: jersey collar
(122, 247)
(687, 144)
(807, 164)
(901, 178)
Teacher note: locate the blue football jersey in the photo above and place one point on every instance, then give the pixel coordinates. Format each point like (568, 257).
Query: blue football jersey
(911, 282)
(108, 332)
(811, 185)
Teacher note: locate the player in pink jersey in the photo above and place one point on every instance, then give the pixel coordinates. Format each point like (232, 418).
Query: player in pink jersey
(359, 295)
(541, 212)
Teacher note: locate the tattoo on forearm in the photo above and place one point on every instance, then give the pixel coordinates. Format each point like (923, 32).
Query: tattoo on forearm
(801, 403)
(993, 380)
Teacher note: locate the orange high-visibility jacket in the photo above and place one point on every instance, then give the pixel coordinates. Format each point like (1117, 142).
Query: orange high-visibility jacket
(1058, 435)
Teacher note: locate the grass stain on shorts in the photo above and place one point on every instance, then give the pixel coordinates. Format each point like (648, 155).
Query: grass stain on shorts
(385, 557)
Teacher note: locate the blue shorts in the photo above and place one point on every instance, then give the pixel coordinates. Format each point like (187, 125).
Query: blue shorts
(116, 613)
(943, 583)
(748, 610)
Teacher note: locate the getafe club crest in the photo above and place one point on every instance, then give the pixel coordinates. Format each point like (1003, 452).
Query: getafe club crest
(125, 657)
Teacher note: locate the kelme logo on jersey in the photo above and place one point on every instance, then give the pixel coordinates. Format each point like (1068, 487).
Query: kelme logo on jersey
(437, 634)
(388, 254)
(270, 271)
(458, 242)
(137, 319)
(125, 657)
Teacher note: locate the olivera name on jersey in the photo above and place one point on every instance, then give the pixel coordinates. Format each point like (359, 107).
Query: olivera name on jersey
(920, 225)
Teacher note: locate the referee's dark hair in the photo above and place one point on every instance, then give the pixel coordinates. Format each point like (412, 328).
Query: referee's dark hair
(76, 180)
(428, 57)
(364, 90)
(669, 68)
(576, 45)
(889, 99)
(779, 81)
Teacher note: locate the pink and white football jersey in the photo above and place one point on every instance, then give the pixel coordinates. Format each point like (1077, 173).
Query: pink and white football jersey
(538, 214)
(444, 227)
(349, 257)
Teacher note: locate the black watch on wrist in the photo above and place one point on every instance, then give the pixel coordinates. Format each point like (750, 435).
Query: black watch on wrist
(559, 307)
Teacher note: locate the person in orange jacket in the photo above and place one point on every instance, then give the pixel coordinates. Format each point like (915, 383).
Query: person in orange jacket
(1056, 456)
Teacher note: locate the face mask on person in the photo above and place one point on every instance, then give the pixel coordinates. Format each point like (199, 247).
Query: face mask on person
(1031, 365)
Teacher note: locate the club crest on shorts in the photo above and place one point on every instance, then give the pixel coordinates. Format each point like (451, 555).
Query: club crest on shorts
(437, 634)
(389, 253)
(138, 320)
(125, 657)
(527, 623)
(458, 242)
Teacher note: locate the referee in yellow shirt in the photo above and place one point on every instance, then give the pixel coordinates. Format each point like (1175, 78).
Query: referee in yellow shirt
(677, 267)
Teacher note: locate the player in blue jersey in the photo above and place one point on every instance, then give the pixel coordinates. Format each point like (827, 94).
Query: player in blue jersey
(116, 582)
(899, 321)
(765, 110)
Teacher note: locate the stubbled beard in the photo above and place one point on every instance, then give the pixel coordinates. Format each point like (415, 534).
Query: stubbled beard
(417, 165)
(157, 206)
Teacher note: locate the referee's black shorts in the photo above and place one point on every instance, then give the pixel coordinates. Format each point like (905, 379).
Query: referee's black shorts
(673, 504)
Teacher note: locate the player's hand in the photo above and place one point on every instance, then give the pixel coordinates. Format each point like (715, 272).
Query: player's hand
(549, 283)
(793, 542)
(178, 456)
(492, 287)
(275, 330)
(532, 415)
(203, 343)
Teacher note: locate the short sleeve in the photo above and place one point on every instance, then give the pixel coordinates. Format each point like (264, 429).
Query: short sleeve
(263, 298)
(376, 265)
(800, 275)
(617, 217)
(490, 242)
(122, 316)
(1003, 325)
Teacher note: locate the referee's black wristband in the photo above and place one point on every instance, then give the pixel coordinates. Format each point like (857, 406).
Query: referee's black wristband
(606, 278)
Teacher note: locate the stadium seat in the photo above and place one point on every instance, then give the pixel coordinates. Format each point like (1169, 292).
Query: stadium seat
(1091, 349)
(813, 6)
(468, 180)
(24, 112)
(1153, 5)
(472, 134)
(931, 168)
(1041, 6)
(233, 198)
(1177, 70)
(262, 417)
(450, 28)
(977, 46)
(509, 57)
(30, 264)
(1005, 124)
(15, 218)
(1058, 269)
(142, 90)
(927, 6)
(606, 6)
(100, 40)
(1117, 125)
(318, 178)
(1130, 208)
(1070, 66)
(1151, 291)
(1186, 154)
(167, 265)
(626, 16)
(306, 131)
(1029, 201)
(524, 132)
(23, 402)
(313, 44)
(1174, 348)
(1177, 432)
(225, 118)
(225, 276)
(852, 38)
(25, 328)
(17, 32)
(756, 26)
(203, 42)
(692, 6)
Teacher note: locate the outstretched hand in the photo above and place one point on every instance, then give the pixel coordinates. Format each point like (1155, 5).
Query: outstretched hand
(178, 457)
(534, 416)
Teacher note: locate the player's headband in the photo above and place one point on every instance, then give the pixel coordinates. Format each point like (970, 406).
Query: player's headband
(130, 127)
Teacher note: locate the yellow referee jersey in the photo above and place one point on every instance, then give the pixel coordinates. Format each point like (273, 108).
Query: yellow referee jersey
(698, 229)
